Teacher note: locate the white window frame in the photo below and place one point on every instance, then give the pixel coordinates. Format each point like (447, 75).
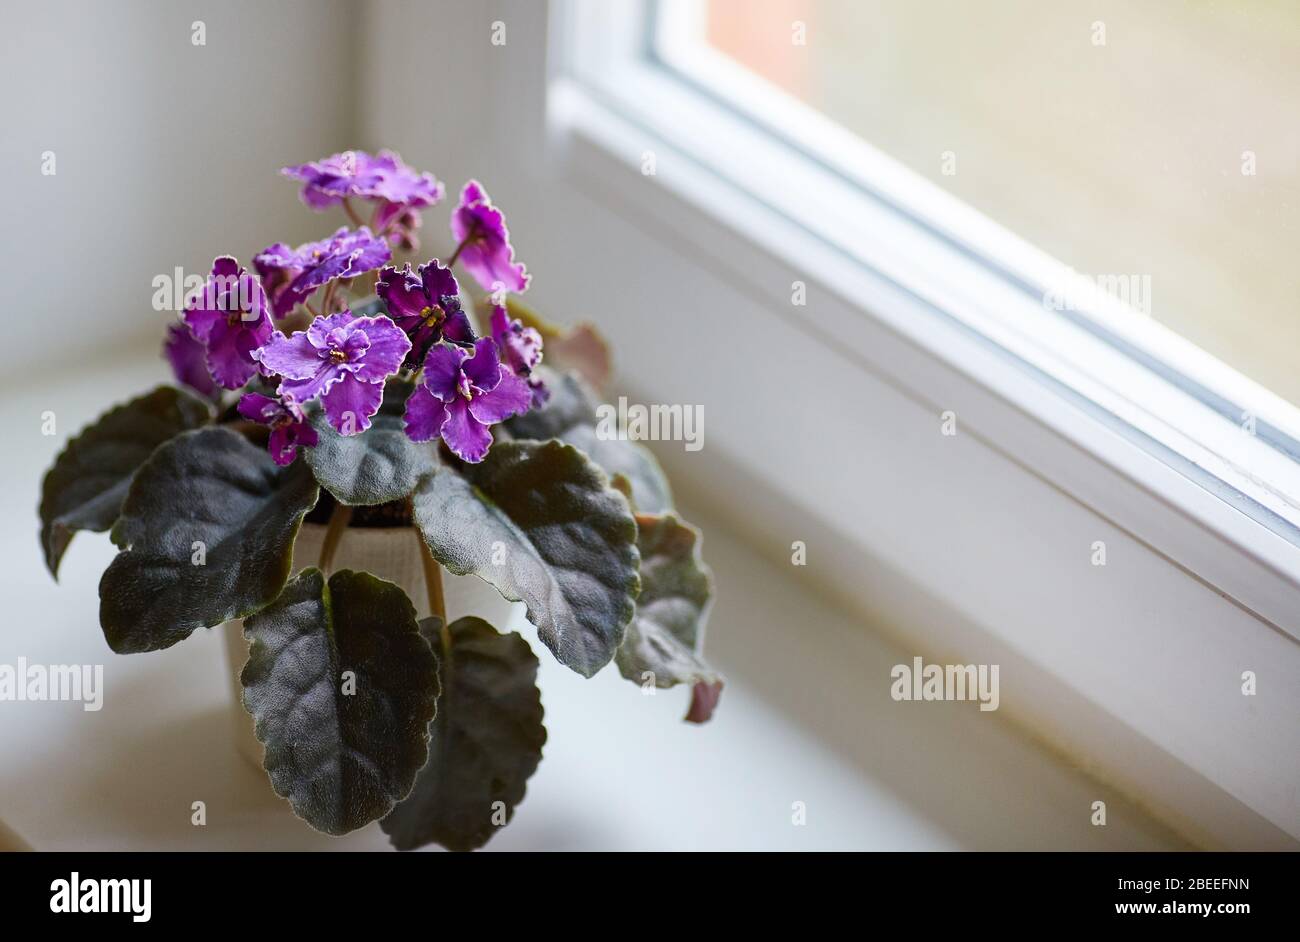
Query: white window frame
(979, 552)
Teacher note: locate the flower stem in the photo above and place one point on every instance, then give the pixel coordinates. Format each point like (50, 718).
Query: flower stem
(473, 231)
(339, 520)
(352, 213)
(328, 300)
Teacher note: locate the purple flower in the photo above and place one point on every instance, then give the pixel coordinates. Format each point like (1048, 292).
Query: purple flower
(426, 305)
(343, 359)
(288, 423)
(381, 177)
(520, 348)
(228, 317)
(398, 224)
(486, 252)
(187, 355)
(291, 275)
(462, 395)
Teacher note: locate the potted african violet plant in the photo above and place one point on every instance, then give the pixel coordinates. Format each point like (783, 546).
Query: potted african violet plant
(360, 469)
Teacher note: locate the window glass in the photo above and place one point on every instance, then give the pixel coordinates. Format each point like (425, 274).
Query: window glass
(1152, 147)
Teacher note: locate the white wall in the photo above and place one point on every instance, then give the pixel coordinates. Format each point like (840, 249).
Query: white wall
(167, 153)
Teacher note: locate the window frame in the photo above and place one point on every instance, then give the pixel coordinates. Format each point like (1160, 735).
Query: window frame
(1203, 575)
(676, 46)
(1180, 406)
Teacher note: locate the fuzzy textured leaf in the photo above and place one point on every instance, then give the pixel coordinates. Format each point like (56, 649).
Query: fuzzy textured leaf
(539, 521)
(484, 744)
(570, 416)
(375, 466)
(207, 534)
(666, 637)
(342, 748)
(88, 481)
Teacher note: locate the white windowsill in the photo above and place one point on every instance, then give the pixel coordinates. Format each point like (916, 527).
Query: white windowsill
(823, 426)
(620, 771)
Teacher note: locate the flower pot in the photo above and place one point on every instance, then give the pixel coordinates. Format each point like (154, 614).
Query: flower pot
(391, 553)
(11, 842)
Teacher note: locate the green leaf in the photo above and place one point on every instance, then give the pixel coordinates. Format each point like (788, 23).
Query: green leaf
(484, 743)
(342, 688)
(207, 533)
(665, 640)
(570, 416)
(376, 466)
(370, 306)
(540, 522)
(631, 460)
(88, 481)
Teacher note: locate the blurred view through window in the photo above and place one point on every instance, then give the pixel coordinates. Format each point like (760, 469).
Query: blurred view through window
(1143, 139)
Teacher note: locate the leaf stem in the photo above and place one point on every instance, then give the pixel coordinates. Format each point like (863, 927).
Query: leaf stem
(433, 583)
(339, 519)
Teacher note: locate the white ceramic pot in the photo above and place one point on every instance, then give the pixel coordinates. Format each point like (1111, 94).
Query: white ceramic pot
(390, 553)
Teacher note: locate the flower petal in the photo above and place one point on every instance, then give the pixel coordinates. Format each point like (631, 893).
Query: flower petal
(294, 357)
(457, 327)
(281, 445)
(262, 409)
(201, 320)
(484, 367)
(230, 354)
(402, 292)
(350, 403)
(488, 256)
(305, 390)
(439, 282)
(318, 332)
(468, 438)
(425, 415)
(512, 396)
(388, 347)
(442, 370)
(186, 356)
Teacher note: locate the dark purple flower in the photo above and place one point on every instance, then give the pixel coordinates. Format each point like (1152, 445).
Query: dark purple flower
(291, 275)
(426, 305)
(486, 252)
(462, 395)
(343, 359)
(228, 316)
(289, 427)
(187, 355)
(520, 348)
(382, 177)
